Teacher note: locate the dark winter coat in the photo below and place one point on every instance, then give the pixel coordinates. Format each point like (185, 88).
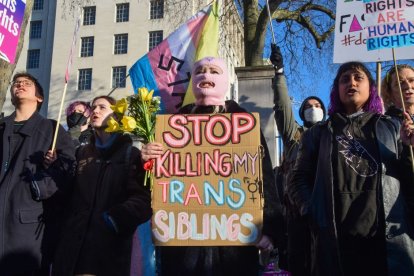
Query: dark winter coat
(109, 181)
(31, 196)
(80, 138)
(290, 132)
(227, 260)
(313, 190)
(297, 232)
(397, 115)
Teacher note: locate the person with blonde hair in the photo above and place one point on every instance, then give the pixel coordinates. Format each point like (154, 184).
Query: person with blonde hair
(392, 98)
(391, 92)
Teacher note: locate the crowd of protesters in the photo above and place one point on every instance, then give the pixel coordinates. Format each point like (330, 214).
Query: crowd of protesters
(343, 203)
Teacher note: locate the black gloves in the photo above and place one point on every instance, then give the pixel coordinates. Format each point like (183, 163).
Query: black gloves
(276, 58)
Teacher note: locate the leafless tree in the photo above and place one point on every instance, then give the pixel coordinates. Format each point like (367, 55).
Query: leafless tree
(302, 28)
(308, 21)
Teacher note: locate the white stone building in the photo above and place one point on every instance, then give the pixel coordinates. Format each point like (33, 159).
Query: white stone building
(112, 36)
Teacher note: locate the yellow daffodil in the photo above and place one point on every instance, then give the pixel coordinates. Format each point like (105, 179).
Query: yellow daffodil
(120, 107)
(128, 123)
(113, 125)
(145, 95)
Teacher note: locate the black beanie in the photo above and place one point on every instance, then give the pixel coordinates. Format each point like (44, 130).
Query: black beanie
(302, 110)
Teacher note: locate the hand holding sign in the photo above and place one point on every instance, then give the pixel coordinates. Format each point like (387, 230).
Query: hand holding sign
(200, 195)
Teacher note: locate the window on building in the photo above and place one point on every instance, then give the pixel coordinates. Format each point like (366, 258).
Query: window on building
(156, 9)
(121, 44)
(118, 76)
(155, 38)
(33, 59)
(87, 44)
(89, 15)
(85, 79)
(38, 5)
(122, 12)
(35, 29)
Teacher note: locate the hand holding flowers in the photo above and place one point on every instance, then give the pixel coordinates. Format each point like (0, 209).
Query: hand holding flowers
(137, 115)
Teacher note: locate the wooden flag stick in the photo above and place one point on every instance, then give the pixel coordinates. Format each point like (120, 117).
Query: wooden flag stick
(270, 22)
(379, 77)
(402, 100)
(58, 118)
(67, 73)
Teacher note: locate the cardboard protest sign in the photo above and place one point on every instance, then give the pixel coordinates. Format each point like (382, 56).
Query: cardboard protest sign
(389, 24)
(351, 37)
(11, 14)
(208, 183)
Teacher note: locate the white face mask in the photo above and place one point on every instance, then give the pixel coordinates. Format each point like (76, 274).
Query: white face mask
(313, 114)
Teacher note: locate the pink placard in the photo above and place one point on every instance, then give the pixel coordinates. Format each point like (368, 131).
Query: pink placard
(11, 14)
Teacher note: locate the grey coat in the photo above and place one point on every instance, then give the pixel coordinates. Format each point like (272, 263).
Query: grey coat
(312, 192)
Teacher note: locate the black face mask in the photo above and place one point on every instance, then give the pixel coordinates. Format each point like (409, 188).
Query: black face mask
(76, 119)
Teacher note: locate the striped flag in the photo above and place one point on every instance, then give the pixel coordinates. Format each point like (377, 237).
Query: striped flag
(166, 69)
(72, 48)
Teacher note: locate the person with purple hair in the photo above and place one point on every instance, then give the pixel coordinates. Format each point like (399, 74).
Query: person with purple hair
(346, 183)
(77, 118)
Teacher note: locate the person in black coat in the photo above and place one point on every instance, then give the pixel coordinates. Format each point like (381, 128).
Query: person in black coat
(312, 111)
(347, 183)
(210, 84)
(109, 201)
(33, 181)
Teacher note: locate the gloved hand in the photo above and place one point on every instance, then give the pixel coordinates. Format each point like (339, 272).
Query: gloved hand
(276, 57)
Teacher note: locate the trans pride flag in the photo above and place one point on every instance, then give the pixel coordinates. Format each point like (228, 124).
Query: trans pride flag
(166, 69)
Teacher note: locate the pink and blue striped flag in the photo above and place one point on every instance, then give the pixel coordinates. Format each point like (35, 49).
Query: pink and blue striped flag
(166, 68)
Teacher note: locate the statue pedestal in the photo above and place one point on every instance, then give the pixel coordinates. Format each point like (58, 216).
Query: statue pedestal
(255, 94)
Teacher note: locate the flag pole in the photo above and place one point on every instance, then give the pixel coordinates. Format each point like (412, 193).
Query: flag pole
(402, 100)
(67, 73)
(379, 77)
(270, 22)
(116, 87)
(398, 79)
(58, 118)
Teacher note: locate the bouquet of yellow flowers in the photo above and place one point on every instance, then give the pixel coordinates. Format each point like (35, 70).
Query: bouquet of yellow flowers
(137, 113)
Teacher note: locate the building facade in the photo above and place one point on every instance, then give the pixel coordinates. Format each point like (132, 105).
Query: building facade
(112, 36)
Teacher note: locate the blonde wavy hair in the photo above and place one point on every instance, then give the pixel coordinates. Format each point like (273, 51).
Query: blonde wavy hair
(386, 90)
